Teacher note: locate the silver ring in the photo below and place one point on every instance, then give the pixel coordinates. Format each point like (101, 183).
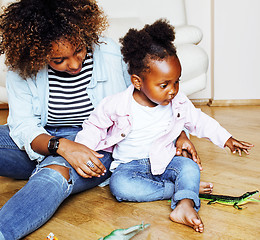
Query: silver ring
(90, 164)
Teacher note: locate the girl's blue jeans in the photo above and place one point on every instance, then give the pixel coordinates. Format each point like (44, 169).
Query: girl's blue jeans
(134, 181)
(46, 189)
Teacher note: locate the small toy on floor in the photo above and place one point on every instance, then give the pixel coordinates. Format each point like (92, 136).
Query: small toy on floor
(230, 200)
(51, 237)
(125, 234)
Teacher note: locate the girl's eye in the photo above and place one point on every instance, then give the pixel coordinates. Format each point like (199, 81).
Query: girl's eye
(163, 86)
(177, 81)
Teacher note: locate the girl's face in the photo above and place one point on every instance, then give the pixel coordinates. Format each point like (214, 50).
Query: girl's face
(159, 85)
(66, 57)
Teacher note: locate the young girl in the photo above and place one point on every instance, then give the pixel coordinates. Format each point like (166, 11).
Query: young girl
(141, 124)
(59, 69)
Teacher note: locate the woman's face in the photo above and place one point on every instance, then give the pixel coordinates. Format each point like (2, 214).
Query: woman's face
(66, 57)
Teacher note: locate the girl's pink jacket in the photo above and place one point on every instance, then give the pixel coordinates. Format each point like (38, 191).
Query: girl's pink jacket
(111, 122)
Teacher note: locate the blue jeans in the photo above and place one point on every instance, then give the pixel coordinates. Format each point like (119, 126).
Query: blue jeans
(134, 181)
(46, 189)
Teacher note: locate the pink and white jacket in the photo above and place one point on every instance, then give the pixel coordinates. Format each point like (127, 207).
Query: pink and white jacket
(111, 122)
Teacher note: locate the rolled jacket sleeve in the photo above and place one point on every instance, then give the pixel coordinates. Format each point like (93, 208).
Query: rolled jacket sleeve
(24, 118)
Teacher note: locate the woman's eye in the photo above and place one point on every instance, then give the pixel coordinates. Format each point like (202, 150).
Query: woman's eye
(78, 50)
(57, 62)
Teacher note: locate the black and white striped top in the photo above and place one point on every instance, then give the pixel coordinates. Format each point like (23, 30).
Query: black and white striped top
(69, 104)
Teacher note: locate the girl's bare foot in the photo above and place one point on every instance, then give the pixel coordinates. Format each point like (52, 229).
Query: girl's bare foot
(184, 213)
(206, 187)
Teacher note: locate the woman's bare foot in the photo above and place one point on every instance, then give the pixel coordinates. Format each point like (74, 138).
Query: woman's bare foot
(184, 213)
(206, 187)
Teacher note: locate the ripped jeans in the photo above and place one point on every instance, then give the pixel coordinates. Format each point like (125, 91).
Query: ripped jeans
(46, 189)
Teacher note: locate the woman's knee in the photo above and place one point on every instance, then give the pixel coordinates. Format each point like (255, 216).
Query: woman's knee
(64, 171)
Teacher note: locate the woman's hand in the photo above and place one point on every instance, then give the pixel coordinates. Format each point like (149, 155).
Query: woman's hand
(185, 148)
(78, 155)
(238, 146)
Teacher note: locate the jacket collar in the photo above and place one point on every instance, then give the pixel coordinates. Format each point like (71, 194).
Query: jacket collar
(126, 99)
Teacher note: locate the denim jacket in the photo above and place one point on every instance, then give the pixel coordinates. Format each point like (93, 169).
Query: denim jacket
(28, 98)
(111, 122)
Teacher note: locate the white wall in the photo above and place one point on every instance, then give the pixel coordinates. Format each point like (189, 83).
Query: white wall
(237, 49)
(233, 49)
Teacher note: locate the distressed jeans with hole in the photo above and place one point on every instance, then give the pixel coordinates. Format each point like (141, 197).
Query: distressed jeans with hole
(46, 189)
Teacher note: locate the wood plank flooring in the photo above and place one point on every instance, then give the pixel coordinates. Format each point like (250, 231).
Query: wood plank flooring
(95, 213)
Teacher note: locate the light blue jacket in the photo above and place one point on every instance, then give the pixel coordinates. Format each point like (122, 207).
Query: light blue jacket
(28, 99)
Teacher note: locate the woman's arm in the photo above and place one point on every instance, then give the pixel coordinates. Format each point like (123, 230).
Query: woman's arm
(25, 112)
(185, 148)
(76, 154)
(40, 144)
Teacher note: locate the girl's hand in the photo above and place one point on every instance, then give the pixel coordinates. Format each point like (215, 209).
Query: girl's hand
(78, 155)
(185, 148)
(238, 146)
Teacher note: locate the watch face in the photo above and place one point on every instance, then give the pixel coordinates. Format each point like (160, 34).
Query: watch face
(53, 145)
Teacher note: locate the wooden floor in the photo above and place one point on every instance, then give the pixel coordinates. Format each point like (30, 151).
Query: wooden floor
(95, 213)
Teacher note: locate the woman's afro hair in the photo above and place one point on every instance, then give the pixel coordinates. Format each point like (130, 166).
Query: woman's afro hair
(154, 41)
(29, 27)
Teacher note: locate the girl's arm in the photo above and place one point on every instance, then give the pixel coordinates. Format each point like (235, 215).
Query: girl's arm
(202, 125)
(238, 146)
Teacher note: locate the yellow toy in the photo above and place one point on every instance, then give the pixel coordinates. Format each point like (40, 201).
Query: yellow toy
(51, 237)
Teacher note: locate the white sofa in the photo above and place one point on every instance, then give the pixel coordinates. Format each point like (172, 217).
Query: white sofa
(125, 14)
(3, 93)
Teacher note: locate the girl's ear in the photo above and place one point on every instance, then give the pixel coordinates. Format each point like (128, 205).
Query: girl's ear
(136, 81)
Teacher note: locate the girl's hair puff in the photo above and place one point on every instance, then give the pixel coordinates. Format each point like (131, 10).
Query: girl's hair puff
(29, 27)
(154, 41)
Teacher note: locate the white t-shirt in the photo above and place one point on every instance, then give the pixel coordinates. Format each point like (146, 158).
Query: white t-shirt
(149, 123)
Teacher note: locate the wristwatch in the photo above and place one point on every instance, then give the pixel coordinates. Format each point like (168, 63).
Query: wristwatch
(53, 145)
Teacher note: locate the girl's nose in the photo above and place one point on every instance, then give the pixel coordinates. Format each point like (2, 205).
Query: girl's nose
(172, 91)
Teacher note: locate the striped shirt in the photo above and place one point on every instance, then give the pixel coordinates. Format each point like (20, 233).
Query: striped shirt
(69, 103)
